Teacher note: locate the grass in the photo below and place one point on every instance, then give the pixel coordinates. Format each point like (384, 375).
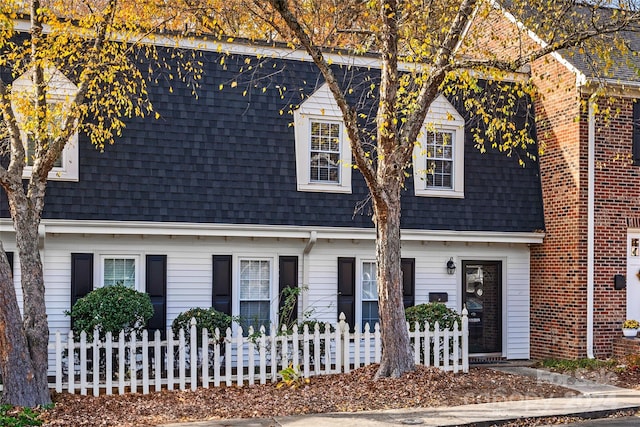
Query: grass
(566, 365)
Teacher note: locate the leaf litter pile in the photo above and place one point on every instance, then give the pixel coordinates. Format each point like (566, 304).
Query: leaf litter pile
(355, 391)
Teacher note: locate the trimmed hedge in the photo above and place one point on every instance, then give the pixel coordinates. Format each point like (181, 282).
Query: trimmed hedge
(111, 309)
(432, 312)
(205, 318)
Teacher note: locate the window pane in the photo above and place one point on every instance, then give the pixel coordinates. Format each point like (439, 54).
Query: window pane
(254, 280)
(324, 157)
(256, 314)
(31, 152)
(369, 287)
(370, 314)
(439, 159)
(120, 271)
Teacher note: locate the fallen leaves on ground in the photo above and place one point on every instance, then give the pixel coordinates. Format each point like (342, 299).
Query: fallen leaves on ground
(355, 391)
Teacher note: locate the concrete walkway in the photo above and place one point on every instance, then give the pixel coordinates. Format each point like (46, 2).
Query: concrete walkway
(595, 399)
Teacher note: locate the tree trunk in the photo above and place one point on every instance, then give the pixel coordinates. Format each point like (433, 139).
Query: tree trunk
(397, 357)
(22, 383)
(24, 358)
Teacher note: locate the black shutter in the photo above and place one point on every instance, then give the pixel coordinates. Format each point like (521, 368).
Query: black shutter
(156, 288)
(10, 259)
(636, 133)
(81, 276)
(221, 295)
(408, 266)
(347, 289)
(288, 271)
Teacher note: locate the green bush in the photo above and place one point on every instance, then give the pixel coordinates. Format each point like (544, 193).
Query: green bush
(205, 318)
(432, 312)
(111, 309)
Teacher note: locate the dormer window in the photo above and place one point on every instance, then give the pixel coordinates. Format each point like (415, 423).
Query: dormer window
(323, 155)
(59, 90)
(438, 166)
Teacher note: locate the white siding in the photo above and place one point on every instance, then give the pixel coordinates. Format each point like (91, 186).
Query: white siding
(189, 272)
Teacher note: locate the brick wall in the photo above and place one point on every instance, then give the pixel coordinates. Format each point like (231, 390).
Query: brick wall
(616, 199)
(558, 267)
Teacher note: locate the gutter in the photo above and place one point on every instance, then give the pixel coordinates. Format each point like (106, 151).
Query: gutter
(313, 238)
(590, 224)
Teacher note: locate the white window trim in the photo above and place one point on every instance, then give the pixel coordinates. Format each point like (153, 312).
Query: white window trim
(273, 291)
(60, 89)
(442, 117)
(320, 107)
(99, 282)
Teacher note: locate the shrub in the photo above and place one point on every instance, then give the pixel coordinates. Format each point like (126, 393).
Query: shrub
(432, 312)
(111, 309)
(205, 318)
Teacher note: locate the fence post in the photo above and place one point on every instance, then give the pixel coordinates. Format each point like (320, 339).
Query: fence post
(157, 352)
(205, 358)
(121, 364)
(193, 352)
(83, 363)
(240, 357)
(71, 362)
(340, 344)
(251, 349)
(436, 344)
(216, 358)
(145, 362)
(416, 341)
(58, 350)
(108, 354)
(133, 363)
(465, 339)
(170, 358)
(456, 344)
(182, 359)
(306, 359)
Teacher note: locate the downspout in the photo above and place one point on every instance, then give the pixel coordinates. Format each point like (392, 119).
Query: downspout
(591, 163)
(313, 237)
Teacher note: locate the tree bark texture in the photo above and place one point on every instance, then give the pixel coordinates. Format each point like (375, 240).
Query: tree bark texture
(397, 357)
(24, 360)
(21, 383)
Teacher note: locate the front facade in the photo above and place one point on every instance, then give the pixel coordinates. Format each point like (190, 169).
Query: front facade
(232, 196)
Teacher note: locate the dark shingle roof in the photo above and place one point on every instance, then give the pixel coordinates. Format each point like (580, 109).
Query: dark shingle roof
(226, 157)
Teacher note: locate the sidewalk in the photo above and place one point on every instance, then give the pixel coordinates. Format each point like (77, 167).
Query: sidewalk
(595, 398)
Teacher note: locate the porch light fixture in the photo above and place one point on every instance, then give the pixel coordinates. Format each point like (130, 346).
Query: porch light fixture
(451, 266)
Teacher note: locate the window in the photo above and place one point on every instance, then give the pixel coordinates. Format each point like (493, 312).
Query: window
(255, 293)
(59, 90)
(438, 167)
(120, 270)
(323, 155)
(325, 152)
(439, 156)
(369, 295)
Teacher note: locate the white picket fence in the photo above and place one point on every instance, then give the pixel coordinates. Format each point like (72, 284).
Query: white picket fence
(131, 365)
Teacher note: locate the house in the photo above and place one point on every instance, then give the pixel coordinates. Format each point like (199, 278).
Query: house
(222, 202)
(585, 276)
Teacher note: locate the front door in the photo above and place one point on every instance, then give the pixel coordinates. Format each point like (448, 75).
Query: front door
(482, 295)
